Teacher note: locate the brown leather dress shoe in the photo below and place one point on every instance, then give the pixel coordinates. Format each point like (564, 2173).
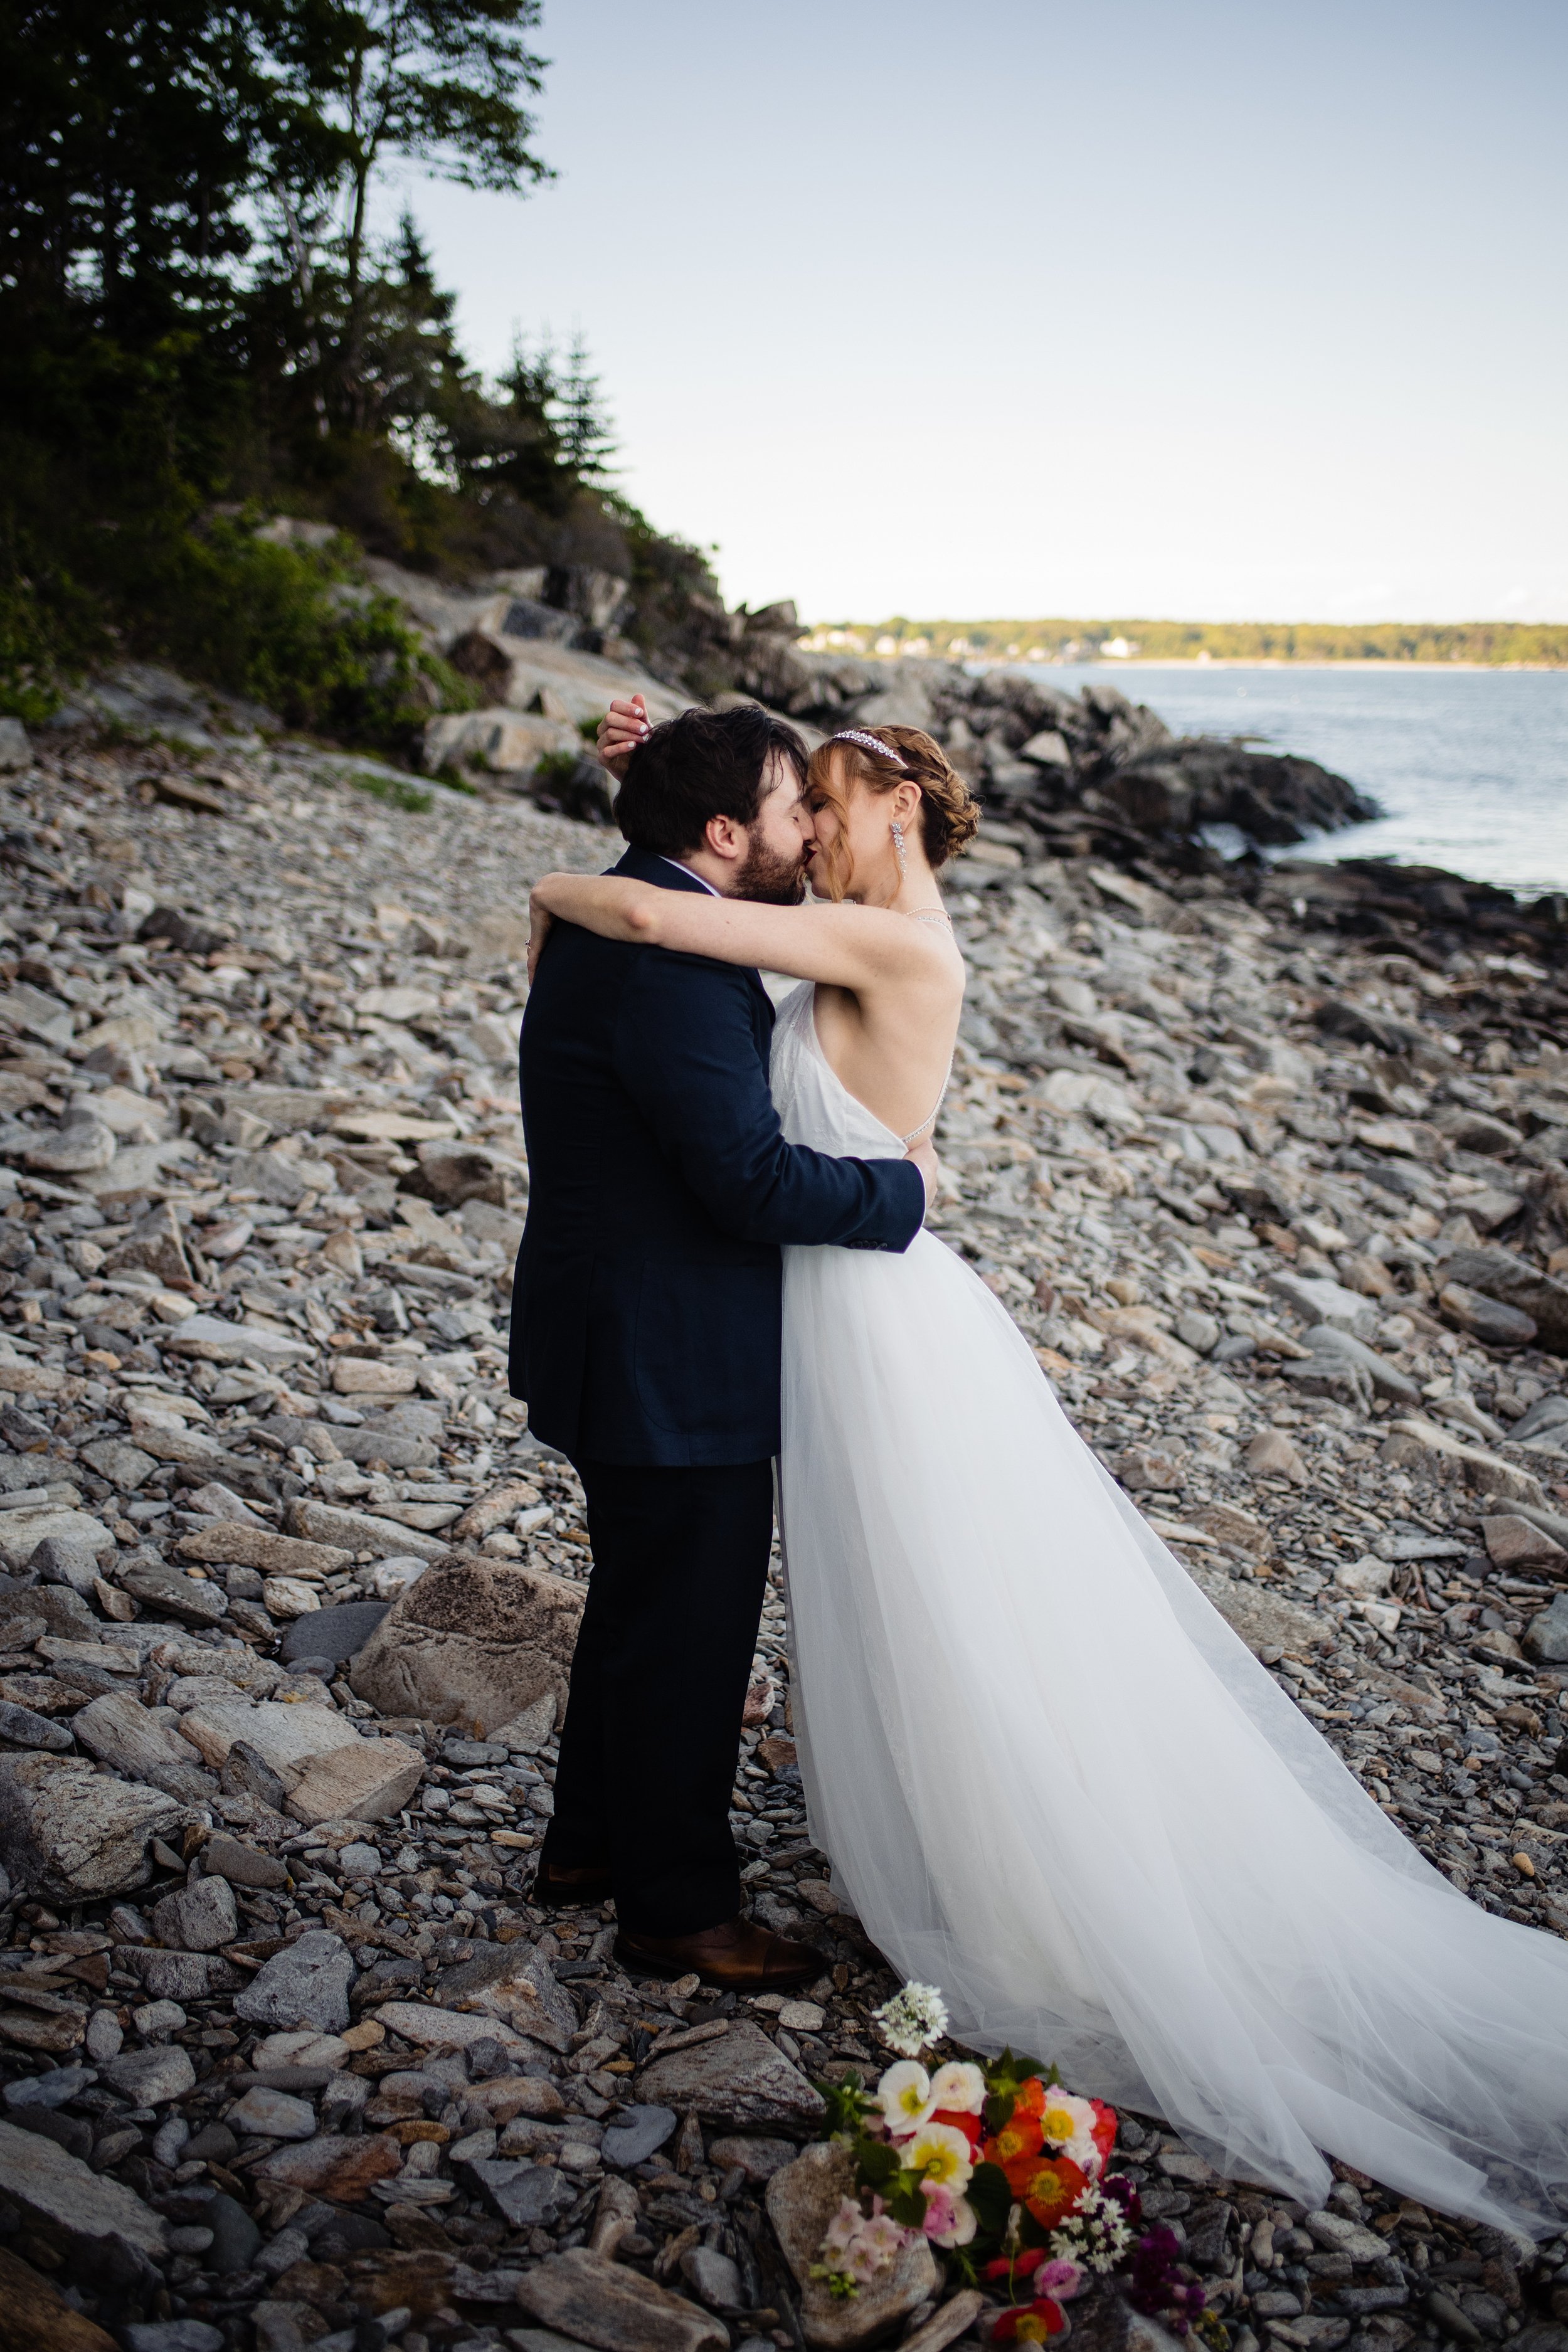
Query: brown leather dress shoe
(737, 1956)
(556, 1889)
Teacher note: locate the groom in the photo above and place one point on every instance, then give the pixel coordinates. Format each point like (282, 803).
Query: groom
(645, 1336)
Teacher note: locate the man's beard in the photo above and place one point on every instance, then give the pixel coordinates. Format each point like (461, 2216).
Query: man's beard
(767, 879)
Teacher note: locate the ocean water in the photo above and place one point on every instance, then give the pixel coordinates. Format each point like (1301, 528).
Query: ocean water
(1470, 765)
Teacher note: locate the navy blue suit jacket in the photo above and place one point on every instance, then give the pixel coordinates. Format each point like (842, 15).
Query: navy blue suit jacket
(646, 1312)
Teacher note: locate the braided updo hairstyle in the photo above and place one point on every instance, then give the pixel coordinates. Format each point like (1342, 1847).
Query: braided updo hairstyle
(950, 815)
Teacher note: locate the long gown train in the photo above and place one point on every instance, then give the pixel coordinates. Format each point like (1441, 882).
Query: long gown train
(1054, 1782)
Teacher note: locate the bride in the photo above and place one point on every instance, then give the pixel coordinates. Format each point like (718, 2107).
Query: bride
(1051, 1778)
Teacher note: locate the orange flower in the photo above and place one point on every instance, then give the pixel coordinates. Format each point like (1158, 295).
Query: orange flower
(1036, 2325)
(1049, 2187)
(1031, 2098)
(1019, 2141)
(1104, 2133)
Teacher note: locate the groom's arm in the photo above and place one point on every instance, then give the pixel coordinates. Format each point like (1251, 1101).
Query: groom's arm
(686, 1052)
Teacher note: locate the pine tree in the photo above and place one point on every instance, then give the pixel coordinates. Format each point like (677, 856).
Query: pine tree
(586, 432)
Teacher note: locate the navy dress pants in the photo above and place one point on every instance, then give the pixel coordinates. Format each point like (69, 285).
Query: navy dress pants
(652, 1734)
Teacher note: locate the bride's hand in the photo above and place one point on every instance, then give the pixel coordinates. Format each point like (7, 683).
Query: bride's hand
(622, 726)
(923, 1156)
(538, 922)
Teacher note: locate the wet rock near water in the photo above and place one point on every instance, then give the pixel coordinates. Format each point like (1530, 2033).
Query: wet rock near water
(287, 2054)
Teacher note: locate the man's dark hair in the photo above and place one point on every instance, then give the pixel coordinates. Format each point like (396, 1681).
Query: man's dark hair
(705, 763)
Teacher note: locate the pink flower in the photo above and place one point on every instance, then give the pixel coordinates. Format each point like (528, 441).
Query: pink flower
(950, 2219)
(1061, 2277)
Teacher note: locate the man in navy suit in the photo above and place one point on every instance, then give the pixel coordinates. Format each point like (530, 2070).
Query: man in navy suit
(645, 1338)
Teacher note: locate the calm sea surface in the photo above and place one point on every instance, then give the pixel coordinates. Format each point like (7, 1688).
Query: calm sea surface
(1471, 765)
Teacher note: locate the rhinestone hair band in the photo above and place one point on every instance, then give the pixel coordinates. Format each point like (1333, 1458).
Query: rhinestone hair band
(871, 743)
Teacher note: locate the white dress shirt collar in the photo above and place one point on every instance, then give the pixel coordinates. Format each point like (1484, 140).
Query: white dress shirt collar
(696, 877)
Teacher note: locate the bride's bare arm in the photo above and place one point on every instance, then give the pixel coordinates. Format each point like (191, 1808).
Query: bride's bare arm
(850, 947)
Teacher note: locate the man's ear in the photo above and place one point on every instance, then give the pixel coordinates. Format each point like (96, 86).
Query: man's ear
(723, 837)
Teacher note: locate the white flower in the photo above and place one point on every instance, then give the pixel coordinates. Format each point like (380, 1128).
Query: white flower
(904, 2095)
(912, 2018)
(941, 2154)
(1067, 2124)
(958, 2089)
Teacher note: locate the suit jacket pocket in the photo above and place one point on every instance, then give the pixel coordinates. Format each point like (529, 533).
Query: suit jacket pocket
(707, 1345)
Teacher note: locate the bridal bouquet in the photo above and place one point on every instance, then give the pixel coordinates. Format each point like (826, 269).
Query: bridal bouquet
(995, 2164)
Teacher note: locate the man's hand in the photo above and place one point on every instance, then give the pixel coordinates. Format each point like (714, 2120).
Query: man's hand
(622, 726)
(923, 1157)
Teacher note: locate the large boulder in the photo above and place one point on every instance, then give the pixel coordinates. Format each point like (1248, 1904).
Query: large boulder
(801, 2199)
(475, 1641)
(73, 1834)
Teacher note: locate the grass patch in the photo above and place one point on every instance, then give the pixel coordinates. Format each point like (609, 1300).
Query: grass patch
(396, 794)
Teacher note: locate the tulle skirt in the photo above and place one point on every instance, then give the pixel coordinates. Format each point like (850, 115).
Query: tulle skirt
(1054, 1782)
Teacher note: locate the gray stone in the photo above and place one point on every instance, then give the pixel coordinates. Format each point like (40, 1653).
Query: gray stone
(100, 2229)
(199, 1602)
(50, 2090)
(359, 1861)
(476, 1641)
(336, 1634)
(274, 2114)
(124, 1465)
(1546, 1636)
(242, 1865)
(214, 1341)
(741, 2079)
(361, 1531)
(151, 2077)
(1490, 1321)
(1386, 1379)
(15, 752)
(1318, 1301)
(57, 1561)
(21, 1533)
(286, 1736)
(514, 1982)
(200, 1917)
(595, 2302)
(245, 1772)
(800, 2202)
(171, 2336)
(758, 2158)
(306, 1985)
(1337, 2234)
(529, 2196)
(1548, 1413)
(635, 2134)
(1198, 1331)
(73, 1834)
(236, 2237)
(713, 2278)
(1499, 1274)
(182, 1976)
(23, 1728)
(1106, 2322)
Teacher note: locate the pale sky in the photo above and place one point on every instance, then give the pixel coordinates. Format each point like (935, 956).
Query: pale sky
(1213, 309)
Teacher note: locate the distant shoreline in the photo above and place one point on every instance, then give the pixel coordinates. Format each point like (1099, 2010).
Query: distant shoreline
(1059, 643)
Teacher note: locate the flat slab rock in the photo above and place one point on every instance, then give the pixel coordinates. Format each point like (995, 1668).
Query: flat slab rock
(518, 1984)
(801, 2201)
(100, 2227)
(1263, 1619)
(595, 2302)
(284, 1735)
(306, 1985)
(74, 1835)
(363, 1780)
(741, 2080)
(341, 2168)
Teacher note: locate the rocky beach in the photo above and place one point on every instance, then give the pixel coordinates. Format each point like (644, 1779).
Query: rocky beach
(1269, 1163)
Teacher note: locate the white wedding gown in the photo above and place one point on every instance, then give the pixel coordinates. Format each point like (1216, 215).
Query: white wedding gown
(1053, 1783)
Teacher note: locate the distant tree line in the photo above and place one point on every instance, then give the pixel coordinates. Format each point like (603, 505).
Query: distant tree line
(200, 323)
(1535, 644)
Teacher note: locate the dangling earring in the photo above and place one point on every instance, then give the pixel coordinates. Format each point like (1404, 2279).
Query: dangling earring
(898, 849)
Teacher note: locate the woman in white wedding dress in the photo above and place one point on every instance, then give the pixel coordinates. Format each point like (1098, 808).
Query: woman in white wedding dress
(1051, 1780)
